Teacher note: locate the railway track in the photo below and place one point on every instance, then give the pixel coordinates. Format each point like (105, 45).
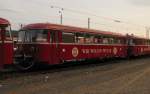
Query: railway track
(13, 73)
(101, 77)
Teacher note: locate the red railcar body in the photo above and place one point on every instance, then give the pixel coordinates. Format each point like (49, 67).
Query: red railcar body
(56, 53)
(141, 50)
(141, 46)
(67, 43)
(55, 44)
(6, 44)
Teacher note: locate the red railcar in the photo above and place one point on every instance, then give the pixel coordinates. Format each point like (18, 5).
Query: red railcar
(139, 46)
(6, 43)
(55, 44)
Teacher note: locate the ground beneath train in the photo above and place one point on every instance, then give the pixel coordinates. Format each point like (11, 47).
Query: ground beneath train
(122, 77)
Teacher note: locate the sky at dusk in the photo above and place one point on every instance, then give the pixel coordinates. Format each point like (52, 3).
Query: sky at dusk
(133, 15)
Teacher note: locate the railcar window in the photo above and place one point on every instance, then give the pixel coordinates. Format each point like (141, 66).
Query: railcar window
(137, 42)
(110, 41)
(100, 40)
(123, 41)
(105, 40)
(91, 38)
(118, 41)
(79, 38)
(131, 42)
(115, 41)
(52, 37)
(8, 33)
(33, 36)
(41, 36)
(96, 40)
(68, 37)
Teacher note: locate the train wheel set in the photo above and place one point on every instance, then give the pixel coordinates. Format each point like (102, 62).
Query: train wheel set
(53, 44)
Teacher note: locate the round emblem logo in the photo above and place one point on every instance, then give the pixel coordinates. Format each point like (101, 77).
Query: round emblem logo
(75, 52)
(115, 50)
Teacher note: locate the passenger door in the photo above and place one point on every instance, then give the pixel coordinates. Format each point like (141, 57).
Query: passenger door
(130, 47)
(54, 52)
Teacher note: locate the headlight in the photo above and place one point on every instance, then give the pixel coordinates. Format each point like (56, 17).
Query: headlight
(15, 48)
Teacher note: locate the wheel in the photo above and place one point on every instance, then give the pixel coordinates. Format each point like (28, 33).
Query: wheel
(24, 62)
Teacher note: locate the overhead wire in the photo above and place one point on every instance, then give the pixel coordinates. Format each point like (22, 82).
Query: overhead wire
(127, 25)
(117, 20)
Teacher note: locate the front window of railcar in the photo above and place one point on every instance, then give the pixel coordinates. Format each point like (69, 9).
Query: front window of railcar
(33, 36)
(7, 33)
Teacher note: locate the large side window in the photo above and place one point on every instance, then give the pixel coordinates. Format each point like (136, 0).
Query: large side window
(100, 39)
(92, 38)
(32, 36)
(68, 37)
(37, 35)
(110, 41)
(79, 38)
(119, 41)
(105, 40)
(88, 38)
(96, 39)
(42, 36)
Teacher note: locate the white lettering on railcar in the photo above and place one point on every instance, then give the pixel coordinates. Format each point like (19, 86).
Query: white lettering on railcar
(93, 51)
(142, 49)
(115, 50)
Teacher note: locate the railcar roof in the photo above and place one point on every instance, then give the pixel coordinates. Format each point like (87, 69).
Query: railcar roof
(69, 28)
(141, 38)
(4, 21)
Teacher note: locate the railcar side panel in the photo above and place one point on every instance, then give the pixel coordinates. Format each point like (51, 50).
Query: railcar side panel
(6, 44)
(47, 53)
(141, 50)
(72, 51)
(56, 53)
(43, 52)
(8, 53)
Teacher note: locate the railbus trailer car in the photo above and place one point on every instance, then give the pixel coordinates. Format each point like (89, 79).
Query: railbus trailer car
(6, 44)
(55, 44)
(139, 46)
